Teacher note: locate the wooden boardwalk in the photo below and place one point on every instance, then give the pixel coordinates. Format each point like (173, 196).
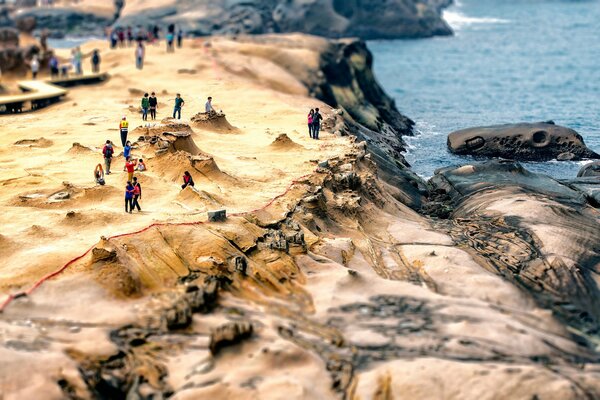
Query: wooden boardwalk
(39, 94)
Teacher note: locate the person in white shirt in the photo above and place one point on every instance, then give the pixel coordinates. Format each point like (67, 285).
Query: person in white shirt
(35, 67)
(208, 107)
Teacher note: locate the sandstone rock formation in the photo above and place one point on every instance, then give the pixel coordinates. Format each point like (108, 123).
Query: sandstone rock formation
(371, 19)
(14, 58)
(525, 141)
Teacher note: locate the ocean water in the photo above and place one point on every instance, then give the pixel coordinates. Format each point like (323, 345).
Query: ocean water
(509, 61)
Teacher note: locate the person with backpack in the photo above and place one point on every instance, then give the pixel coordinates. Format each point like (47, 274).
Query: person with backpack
(129, 190)
(108, 152)
(137, 194)
(153, 104)
(187, 180)
(124, 129)
(316, 125)
(145, 106)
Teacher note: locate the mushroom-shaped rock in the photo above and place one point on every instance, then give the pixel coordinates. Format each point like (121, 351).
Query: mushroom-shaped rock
(540, 141)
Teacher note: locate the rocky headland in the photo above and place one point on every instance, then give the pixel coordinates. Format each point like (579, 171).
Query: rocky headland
(373, 19)
(336, 273)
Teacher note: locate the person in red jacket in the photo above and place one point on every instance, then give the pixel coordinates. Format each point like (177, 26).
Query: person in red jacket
(130, 168)
(187, 180)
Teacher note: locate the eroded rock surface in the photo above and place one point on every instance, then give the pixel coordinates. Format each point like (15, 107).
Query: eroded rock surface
(534, 142)
(330, 18)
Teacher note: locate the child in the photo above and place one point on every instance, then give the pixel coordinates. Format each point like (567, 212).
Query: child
(141, 166)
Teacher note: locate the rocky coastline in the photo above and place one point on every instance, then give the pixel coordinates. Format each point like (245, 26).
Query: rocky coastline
(328, 18)
(360, 281)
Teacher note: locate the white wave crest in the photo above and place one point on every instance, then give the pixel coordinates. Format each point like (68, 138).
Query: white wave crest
(458, 20)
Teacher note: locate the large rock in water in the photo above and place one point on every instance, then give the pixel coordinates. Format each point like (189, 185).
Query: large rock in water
(525, 141)
(368, 19)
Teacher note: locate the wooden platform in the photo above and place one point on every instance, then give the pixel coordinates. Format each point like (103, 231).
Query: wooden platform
(39, 94)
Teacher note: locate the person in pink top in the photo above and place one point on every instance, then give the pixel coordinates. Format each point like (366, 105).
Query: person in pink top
(310, 123)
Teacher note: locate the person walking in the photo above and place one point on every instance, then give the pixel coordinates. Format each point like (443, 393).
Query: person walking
(179, 38)
(170, 38)
(127, 150)
(208, 108)
(140, 53)
(153, 103)
(96, 61)
(145, 106)
(35, 67)
(108, 152)
(129, 190)
(53, 67)
(77, 61)
(114, 38)
(179, 102)
(129, 36)
(121, 36)
(124, 129)
(317, 118)
(311, 115)
(137, 194)
(187, 180)
(130, 168)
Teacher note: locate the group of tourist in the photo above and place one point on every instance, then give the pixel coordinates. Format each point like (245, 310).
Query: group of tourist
(123, 37)
(127, 36)
(149, 103)
(133, 188)
(75, 63)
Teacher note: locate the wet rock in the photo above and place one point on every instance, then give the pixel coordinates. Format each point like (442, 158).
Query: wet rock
(503, 212)
(589, 170)
(230, 334)
(525, 141)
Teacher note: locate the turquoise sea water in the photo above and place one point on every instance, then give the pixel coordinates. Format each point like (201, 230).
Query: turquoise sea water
(510, 61)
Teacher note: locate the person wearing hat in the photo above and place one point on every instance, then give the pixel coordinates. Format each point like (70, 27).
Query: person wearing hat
(124, 128)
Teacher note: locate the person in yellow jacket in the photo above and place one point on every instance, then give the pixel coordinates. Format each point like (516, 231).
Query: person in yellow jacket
(124, 128)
